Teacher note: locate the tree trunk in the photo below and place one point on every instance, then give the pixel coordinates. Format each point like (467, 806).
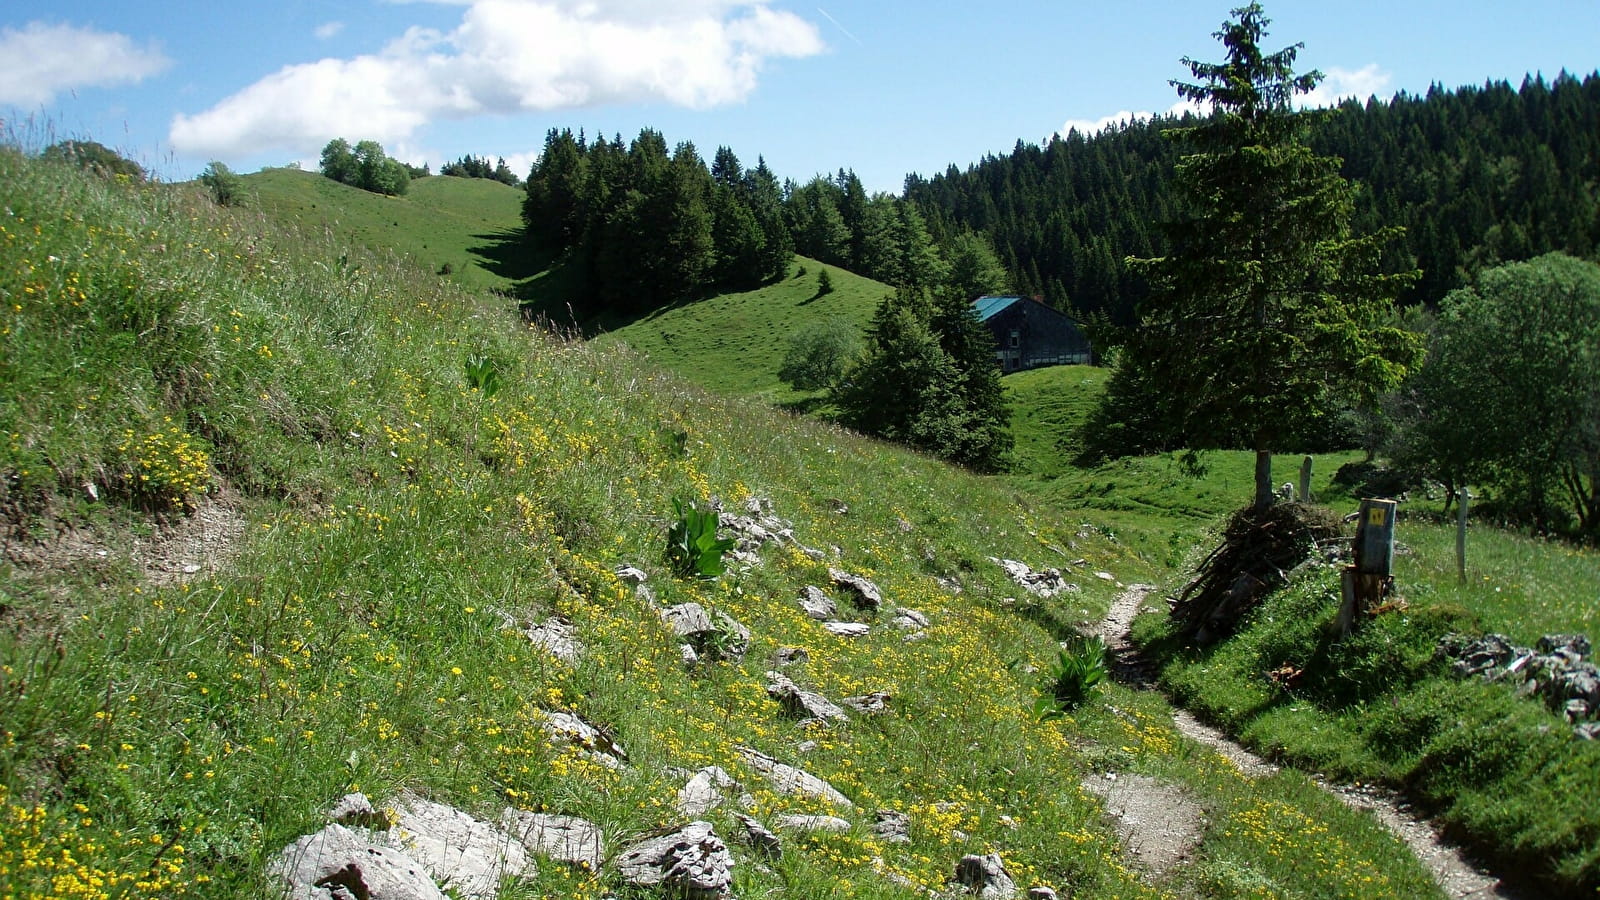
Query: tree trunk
(1263, 479)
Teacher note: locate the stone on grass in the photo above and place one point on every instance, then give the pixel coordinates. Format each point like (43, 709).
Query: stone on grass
(339, 864)
(356, 811)
(909, 619)
(567, 729)
(816, 604)
(1041, 893)
(710, 636)
(465, 855)
(791, 781)
(1044, 584)
(704, 792)
(565, 839)
(986, 877)
(799, 702)
(758, 838)
(556, 638)
(862, 592)
(848, 629)
(691, 863)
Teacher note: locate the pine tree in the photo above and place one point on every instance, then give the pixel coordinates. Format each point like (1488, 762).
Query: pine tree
(1268, 313)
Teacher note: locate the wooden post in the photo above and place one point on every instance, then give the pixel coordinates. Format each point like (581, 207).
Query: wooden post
(1363, 584)
(1461, 533)
(1305, 480)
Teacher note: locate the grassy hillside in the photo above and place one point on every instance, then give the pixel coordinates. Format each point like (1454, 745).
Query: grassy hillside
(265, 544)
(1047, 407)
(734, 343)
(468, 224)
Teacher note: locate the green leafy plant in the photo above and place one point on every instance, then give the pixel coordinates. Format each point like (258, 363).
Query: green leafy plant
(482, 374)
(1079, 670)
(693, 548)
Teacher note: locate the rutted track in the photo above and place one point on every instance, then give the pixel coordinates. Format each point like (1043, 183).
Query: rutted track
(1457, 876)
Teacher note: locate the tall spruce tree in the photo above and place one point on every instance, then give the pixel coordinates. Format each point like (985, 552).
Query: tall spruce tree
(1267, 314)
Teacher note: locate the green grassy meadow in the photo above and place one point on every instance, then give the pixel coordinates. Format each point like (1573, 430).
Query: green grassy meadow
(166, 729)
(164, 732)
(470, 224)
(734, 343)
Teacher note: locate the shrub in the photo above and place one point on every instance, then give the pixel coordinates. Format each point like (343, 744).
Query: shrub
(818, 354)
(693, 549)
(1079, 670)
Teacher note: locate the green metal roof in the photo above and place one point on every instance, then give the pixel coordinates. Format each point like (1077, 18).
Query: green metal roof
(988, 306)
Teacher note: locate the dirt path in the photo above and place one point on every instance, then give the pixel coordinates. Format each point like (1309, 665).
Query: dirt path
(1457, 876)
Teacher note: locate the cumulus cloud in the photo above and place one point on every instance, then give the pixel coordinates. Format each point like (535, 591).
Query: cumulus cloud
(509, 56)
(1337, 84)
(327, 30)
(1340, 84)
(43, 60)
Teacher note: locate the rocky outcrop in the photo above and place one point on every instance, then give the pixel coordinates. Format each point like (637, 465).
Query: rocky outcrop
(1557, 669)
(801, 703)
(816, 604)
(556, 638)
(565, 839)
(707, 636)
(465, 855)
(568, 729)
(691, 863)
(788, 780)
(338, 863)
(892, 827)
(1044, 585)
(705, 791)
(985, 877)
(863, 593)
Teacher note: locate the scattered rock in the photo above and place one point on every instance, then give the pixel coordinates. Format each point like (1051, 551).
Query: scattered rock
(863, 593)
(691, 863)
(800, 702)
(848, 629)
(892, 827)
(709, 637)
(596, 745)
(790, 656)
(873, 704)
(339, 864)
(789, 780)
(909, 619)
(950, 585)
(562, 838)
(630, 575)
(832, 824)
(704, 792)
(816, 604)
(556, 638)
(758, 838)
(1559, 671)
(466, 855)
(1041, 893)
(356, 811)
(1044, 584)
(986, 877)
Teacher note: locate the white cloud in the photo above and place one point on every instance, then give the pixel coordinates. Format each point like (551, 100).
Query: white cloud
(328, 30)
(1092, 127)
(1339, 84)
(43, 60)
(509, 56)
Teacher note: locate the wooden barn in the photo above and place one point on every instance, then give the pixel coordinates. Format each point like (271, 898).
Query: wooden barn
(1029, 334)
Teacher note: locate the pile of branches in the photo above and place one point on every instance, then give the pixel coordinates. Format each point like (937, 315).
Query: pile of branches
(1259, 548)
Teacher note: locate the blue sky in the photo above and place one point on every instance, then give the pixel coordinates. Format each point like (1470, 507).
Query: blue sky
(884, 88)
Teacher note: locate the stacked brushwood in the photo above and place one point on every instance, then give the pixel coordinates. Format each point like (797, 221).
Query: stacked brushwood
(1259, 548)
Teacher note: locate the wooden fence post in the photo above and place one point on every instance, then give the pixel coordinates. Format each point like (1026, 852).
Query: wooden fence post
(1461, 533)
(1305, 480)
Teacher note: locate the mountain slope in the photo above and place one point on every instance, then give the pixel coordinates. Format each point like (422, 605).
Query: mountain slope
(177, 712)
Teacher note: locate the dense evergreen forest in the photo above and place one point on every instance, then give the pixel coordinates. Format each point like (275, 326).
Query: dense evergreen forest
(1477, 176)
